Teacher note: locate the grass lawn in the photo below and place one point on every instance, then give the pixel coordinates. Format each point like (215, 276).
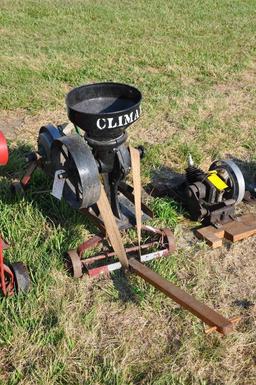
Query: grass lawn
(194, 62)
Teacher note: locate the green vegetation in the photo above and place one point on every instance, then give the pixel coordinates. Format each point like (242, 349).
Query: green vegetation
(166, 211)
(194, 63)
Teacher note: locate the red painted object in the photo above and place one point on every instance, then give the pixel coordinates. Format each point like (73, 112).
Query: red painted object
(6, 275)
(3, 150)
(13, 277)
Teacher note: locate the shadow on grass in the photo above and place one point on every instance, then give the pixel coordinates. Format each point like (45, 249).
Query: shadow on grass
(164, 179)
(166, 183)
(124, 287)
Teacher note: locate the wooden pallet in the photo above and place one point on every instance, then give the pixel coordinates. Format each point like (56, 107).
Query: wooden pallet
(242, 227)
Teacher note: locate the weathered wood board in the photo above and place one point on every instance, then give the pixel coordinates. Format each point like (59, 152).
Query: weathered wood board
(242, 227)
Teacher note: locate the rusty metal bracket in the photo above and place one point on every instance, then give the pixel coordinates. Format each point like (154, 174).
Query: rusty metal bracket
(105, 262)
(19, 186)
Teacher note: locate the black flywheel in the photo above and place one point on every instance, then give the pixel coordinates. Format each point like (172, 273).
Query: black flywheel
(72, 158)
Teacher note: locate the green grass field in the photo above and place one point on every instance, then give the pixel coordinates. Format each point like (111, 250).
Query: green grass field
(194, 62)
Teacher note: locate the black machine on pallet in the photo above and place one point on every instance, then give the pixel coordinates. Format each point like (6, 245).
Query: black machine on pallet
(210, 197)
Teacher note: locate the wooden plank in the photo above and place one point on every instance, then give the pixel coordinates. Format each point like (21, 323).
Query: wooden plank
(235, 230)
(211, 235)
(247, 218)
(136, 177)
(112, 228)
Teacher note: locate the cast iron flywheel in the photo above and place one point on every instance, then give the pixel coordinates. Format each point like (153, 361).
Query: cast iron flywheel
(232, 175)
(73, 156)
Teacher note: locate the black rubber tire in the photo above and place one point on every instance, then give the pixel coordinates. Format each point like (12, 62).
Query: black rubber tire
(21, 277)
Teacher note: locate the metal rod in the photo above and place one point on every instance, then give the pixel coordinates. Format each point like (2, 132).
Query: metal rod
(109, 254)
(200, 310)
(28, 173)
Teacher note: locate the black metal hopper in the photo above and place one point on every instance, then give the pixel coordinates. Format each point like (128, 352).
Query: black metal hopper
(103, 110)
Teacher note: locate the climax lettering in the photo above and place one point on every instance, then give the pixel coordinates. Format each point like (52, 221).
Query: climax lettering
(101, 123)
(128, 119)
(119, 121)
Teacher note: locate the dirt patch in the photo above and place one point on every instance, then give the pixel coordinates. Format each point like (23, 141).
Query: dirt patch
(19, 126)
(31, 125)
(10, 122)
(236, 90)
(159, 131)
(230, 106)
(225, 116)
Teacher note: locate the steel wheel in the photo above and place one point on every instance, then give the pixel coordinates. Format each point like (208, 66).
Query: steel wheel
(74, 264)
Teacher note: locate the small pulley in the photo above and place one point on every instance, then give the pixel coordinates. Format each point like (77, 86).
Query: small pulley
(232, 176)
(47, 135)
(73, 161)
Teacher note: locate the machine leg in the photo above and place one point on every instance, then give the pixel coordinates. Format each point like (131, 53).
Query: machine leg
(18, 187)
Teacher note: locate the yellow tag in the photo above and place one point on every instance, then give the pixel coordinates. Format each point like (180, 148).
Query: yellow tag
(217, 181)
